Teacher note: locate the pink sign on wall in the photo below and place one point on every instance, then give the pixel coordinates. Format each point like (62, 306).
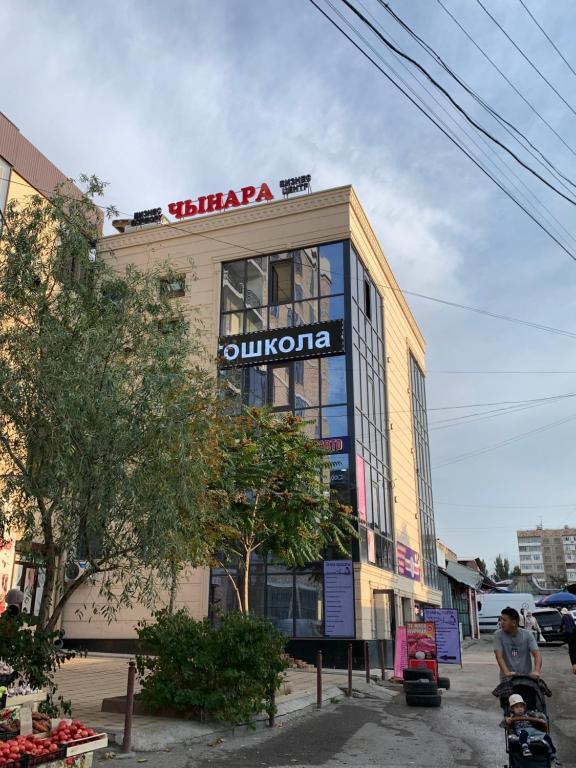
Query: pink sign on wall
(400, 652)
(360, 488)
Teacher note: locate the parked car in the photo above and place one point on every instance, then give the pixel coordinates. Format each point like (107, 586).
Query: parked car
(549, 621)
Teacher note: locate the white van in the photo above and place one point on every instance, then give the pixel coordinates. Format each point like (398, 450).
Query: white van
(490, 606)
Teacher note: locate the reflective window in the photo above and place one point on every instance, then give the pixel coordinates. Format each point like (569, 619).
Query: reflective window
(255, 385)
(280, 601)
(233, 285)
(281, 281)
(306, 312)
(332, 308)
(280, 386)
(331, 269)
(334, 421)
(308, 605)
(306, 387)
(256, 282)
(306, 273)
(255, 320)
(231, 324)
(333, 379)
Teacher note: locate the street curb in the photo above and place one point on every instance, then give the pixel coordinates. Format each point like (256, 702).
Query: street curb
(172, 732)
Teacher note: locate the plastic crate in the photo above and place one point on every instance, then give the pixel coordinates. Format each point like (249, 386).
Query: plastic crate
(51, 757)
(17, 763)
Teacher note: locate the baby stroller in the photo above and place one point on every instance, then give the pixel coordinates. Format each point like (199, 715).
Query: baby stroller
(534, 693)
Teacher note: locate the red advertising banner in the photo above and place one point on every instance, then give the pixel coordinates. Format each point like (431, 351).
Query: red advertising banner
(360, 488)
(421, 639)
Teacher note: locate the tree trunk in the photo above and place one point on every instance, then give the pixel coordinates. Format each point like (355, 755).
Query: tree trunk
(173, 587)
(47, 595)
(246, 585)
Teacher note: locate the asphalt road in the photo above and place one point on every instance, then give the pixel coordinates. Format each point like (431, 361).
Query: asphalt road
(380, 731)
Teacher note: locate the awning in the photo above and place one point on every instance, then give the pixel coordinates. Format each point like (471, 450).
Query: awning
(463, 574)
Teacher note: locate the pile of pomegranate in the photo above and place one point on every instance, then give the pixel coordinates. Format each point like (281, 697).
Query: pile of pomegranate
(65, 733)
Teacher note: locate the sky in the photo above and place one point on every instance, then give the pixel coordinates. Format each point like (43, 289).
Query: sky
(171, 100)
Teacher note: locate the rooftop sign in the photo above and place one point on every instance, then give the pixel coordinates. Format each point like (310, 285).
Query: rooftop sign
(184, 209)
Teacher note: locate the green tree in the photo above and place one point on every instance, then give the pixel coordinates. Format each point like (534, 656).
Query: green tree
(501, 568)
(274, 498)
(516, 572)
(105, 410)
(483, 566)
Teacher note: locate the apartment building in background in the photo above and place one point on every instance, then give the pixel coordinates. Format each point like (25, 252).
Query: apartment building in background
(549, 555)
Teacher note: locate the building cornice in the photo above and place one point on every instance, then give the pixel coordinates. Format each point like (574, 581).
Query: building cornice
(227, 220)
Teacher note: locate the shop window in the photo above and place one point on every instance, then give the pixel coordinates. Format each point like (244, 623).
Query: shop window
(308, 605)
(173, 287)
(280, 601)
(231, 390)
(255, 320)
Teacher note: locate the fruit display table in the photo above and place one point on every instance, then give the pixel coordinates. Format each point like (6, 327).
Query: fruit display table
(69, 744)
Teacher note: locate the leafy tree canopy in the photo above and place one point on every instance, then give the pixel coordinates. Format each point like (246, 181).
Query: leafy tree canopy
(274, 494)
(106, 412)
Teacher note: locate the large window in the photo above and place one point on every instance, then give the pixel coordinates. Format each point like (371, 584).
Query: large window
(370, 427)
(283, 290)
(424, 475)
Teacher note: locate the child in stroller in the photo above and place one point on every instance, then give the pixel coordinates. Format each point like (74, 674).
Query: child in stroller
(528, 742)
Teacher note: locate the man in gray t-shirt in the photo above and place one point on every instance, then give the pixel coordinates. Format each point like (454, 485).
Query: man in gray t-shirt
(515, 648)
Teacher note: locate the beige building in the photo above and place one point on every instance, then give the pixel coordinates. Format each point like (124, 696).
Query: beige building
(549, 555)
(301, 306)
(24, 172)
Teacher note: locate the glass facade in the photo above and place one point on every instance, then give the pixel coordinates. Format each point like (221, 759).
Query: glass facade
(424, 476)
(341, 397)
(370, 415)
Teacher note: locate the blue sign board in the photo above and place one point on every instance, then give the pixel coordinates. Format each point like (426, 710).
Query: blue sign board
(448, 650)
(338, 598)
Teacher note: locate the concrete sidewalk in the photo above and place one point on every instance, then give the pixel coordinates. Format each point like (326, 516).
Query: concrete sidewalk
(87, 681)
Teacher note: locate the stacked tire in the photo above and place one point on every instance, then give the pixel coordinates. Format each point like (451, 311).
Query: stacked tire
(421, 689)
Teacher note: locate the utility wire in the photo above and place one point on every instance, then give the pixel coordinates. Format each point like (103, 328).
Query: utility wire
(445, 132)
(509, 127)
(454, 103)
(507, 79)
(502, 443)
(558, 51)
(500, 161)
(525, 57)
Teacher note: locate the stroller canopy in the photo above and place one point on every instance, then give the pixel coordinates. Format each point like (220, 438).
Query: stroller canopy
(533, 691)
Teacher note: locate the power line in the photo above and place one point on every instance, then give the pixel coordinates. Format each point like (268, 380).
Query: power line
(558, 51)
(454, 103)
(502, 443)
(505, 124)
(525, 57)
(445, 132)
(493, 373)
(509, 127)
(507, 79)
(505, 506)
